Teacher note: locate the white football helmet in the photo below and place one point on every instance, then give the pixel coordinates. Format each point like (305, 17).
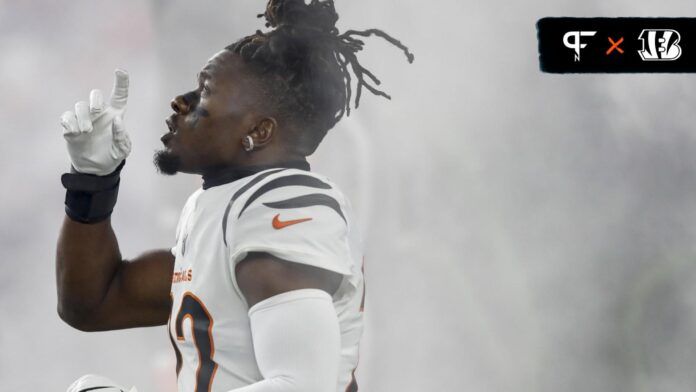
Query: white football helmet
(95, 383)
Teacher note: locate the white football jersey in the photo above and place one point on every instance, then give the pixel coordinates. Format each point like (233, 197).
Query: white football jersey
(292, 214)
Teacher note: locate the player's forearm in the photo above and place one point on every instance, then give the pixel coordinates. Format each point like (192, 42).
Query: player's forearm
(303, 355)
(87, 260)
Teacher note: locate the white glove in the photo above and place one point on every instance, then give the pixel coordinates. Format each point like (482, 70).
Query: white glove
(97, 140)
(92, 382)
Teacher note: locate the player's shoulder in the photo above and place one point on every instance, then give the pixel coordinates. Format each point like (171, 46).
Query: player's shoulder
(292, 190)
(289, 188)
(293, 214)
(280, 178)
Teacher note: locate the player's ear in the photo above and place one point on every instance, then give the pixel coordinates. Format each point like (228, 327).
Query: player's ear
(264, 131)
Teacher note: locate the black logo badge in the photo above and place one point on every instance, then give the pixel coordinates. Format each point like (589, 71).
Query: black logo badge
(588, 45)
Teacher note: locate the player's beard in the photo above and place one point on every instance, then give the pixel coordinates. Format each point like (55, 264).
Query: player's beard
(166, 162)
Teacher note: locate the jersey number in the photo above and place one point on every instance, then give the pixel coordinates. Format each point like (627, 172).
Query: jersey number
(202, 326)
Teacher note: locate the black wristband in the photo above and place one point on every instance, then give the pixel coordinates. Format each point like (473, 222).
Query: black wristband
(90, 198)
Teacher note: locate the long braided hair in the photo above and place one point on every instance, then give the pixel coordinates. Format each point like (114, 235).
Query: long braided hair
(306, 67)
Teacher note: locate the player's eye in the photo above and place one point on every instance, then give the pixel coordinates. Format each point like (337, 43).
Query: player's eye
(205, 90)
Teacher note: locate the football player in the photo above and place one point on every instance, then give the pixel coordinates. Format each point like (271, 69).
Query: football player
(263, 289)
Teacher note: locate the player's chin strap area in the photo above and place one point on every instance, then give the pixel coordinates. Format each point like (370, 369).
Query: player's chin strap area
(297, 342)
(90, 198)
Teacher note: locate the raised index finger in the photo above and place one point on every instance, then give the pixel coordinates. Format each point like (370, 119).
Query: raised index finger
(119, 96)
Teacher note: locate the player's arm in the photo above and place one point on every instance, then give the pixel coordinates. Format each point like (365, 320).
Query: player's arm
(97, 289)
(293, 323)
(261, 276)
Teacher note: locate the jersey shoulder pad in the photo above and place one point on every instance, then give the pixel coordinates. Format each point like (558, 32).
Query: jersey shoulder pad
(294, 215)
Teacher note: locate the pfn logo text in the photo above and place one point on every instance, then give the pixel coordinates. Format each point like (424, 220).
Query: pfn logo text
(575, 44)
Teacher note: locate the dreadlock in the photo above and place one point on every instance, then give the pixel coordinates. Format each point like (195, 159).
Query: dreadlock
(306, 66)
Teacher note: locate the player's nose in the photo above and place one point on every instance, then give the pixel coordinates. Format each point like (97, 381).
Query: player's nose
(180, 105)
